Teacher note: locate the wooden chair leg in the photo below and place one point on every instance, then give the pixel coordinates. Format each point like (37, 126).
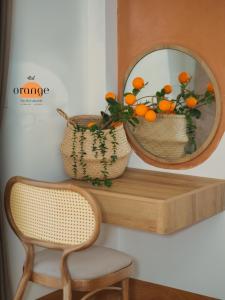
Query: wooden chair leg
(67, 292)
(66, 279)
(21, 287)
(125, 289)
(27, 271)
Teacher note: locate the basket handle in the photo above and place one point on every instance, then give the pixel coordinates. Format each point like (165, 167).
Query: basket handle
(62, 114)
(65, 116)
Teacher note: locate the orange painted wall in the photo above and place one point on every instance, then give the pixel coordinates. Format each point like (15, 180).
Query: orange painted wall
(197, 25)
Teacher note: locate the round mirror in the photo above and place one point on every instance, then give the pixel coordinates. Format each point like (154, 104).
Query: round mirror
(175, 105)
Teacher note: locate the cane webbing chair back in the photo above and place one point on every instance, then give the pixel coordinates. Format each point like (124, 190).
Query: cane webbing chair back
(65, 216)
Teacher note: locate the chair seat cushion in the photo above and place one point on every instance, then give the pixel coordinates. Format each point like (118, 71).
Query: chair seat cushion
(86, 264)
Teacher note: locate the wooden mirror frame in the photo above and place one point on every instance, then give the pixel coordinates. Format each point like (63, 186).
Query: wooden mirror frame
(144, 154)
(201, 19)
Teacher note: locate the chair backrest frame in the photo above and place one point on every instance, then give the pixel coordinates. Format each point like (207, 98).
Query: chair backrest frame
(57, 186)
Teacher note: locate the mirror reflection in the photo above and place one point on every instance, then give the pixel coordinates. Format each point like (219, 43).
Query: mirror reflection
(176, 97)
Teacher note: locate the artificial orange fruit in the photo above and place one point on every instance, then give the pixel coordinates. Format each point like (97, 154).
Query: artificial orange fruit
(141, 110)
(184, 77)
(164, 105)
(191, 102)
(90, 124)
(110, 95)
(150, 116)
(130, 99)
(167, 88)
(210, 88)
(138, 83)
(172, 106)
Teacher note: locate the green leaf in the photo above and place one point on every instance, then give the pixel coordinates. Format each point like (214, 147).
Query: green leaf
(195, 113)
(113, 158)
(190, 147)
(130, 110)
(135, 91)
(107, 182)
(132, 123)
(111, 101)
(162, 92)
(135, 120)
(125, 94)
(187, 95)
(208, 99)
(114, 109)
(96, 182)
(94, 128)
(105, 116)
(183, 85)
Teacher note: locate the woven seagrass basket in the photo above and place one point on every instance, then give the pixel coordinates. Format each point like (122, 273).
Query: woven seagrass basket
(165, 138)
(71, 147)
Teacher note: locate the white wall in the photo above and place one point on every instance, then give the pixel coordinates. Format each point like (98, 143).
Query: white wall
(147, 68)
(71, 46)
(63, 44)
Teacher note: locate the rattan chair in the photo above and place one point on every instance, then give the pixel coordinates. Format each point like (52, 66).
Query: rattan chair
(65, 220)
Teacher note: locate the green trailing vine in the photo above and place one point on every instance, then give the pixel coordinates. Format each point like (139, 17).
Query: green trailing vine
(82, 151)
(94, 145)
(191, 113)
(74, 153)
(103, 149)
(114, 145)
(99, 149)
(191, 133)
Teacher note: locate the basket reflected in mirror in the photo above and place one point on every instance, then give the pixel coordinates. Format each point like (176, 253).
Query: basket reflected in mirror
(165, 138)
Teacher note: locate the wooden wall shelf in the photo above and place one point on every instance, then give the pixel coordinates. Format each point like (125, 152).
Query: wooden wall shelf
(158, 202)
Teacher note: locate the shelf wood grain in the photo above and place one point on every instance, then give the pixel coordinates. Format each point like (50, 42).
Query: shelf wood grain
(158, 202)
